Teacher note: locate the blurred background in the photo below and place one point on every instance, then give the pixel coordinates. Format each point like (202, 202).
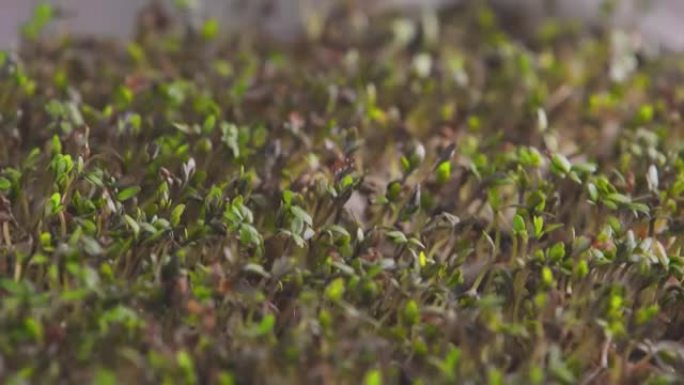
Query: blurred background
(658, 22)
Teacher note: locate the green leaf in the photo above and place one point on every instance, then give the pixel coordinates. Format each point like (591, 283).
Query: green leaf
(55, 204)
(256, 269)
(91, 246)
(619, 198)
(640, 208)
(397, 237)
(422, 259)
(448, 365)
(538, 226)
(593, 192)
(346, 182)
(250, 235)
(393, 191)
(373, 377)
(123, 96)
(176, 214)
(105, 377)
(585, 168)
(43, 14)
(5, 184)
(132, 224)
(495, 377)
(560, 164)
(185, 363)
(547, 276)
(265, 326)
(416, 242)
(34, 328)
(127, 193)
(581, 269)
(647, 313)
(519, 226)
(557, 252)
(537, 201)
(288, 195)
(444, 172)
(298, 212)
(209, 124)
(405, 164)
(226, 378)
(411, 312)
(210, 29)
(335, 290)
(646, 113)
(229, 137)
(56, 145)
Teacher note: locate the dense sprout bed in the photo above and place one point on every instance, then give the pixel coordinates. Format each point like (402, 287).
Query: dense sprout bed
(390, 202)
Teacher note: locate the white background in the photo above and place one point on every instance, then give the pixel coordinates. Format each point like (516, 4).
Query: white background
(662, 25)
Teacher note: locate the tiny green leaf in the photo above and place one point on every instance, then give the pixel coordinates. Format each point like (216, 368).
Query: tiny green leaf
(557, 252)
(560, 164)
(538, 223)
(397, 237)
(298, 212)
(210, 29)
(444, 172)
(176, 214)
(5, 184)
(373, 377)
(411, 312)
(104, 377)
(127, 193)
(265, 326)
(335, 289)
(519, 226)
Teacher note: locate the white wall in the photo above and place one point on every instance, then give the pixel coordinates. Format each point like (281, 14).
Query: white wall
(662, 25)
